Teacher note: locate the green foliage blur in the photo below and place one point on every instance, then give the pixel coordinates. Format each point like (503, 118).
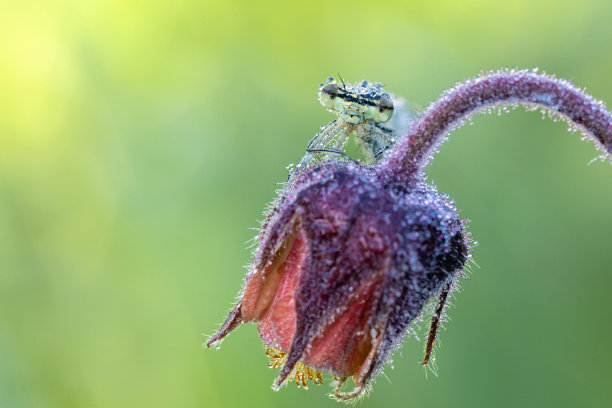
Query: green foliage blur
(140, 141)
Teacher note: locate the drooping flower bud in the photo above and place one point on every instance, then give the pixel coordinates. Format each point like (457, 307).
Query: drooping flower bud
(345, 265)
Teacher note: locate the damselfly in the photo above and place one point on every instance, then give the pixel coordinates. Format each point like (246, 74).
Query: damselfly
(365, 112)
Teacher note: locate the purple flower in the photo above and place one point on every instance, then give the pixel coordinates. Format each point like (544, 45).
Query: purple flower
(350, 254)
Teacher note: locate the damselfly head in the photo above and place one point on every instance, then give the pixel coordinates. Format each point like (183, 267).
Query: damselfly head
(356, 103)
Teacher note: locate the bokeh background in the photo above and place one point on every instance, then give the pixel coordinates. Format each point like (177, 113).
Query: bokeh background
(140, 140)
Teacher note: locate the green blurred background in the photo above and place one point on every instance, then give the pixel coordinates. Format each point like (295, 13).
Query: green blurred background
(140, 141)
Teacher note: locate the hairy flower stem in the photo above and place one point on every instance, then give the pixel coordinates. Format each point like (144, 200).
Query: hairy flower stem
(412, 152)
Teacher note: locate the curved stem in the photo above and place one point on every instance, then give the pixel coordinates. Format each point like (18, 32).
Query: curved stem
(412, 152)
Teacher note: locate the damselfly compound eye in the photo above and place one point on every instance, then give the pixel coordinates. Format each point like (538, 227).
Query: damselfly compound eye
(331, 89)
(384, 109)
(328, 96)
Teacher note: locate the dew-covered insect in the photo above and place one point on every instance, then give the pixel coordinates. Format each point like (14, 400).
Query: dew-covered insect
(365, 111)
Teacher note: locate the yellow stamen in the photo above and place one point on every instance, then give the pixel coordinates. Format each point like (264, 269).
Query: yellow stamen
(300, 373)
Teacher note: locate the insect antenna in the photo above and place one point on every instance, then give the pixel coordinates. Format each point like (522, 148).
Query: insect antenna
(342, 80)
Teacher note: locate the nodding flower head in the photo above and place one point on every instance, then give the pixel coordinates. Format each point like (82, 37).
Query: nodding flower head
(345, 265)
(350, 254)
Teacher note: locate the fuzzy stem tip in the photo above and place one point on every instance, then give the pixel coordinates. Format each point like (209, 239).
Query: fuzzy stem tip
(510, 87)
